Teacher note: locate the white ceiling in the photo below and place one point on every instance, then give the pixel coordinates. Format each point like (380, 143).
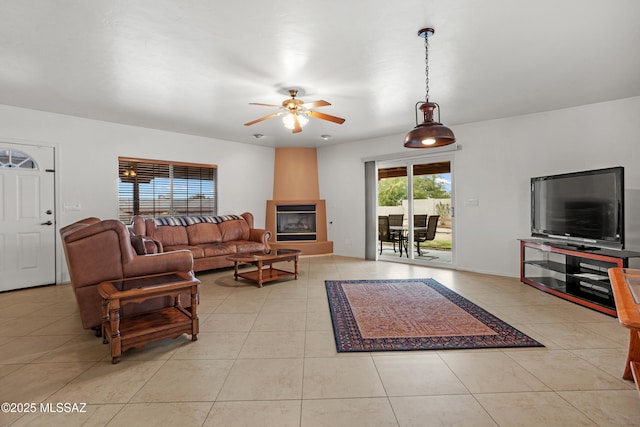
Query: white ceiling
(193, 66)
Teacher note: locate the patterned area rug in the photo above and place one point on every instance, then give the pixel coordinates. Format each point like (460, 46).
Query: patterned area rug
(413, 314)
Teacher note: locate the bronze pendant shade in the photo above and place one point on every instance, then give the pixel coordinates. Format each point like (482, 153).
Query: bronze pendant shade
(429, 133)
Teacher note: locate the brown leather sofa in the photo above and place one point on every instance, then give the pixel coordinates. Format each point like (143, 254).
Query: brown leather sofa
(211, 239)
(101, 250)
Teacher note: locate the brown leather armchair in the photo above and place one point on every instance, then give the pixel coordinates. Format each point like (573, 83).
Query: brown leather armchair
(101, 250)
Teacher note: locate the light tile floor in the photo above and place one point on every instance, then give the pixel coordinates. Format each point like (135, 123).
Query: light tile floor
(266, 357)
(432, 256)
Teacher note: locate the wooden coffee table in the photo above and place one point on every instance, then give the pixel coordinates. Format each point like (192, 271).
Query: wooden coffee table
(125, 332)
(262, 259)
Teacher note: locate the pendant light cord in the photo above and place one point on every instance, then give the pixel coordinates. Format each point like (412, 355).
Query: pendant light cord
(426, 66)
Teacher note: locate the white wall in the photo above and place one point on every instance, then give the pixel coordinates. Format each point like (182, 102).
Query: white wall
(495, 163)
(88, 151)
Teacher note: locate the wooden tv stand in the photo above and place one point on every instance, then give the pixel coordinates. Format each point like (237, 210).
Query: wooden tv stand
(577, 275)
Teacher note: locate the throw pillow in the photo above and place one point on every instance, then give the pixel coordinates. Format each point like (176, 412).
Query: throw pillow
(138, 243)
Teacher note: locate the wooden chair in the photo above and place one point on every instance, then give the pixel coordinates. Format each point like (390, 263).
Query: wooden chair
(430, 233)
(384, 234)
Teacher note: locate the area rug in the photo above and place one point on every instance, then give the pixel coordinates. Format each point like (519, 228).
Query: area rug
(413, 314)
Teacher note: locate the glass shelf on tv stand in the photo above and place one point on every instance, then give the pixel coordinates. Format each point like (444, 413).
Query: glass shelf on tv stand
(570, 273)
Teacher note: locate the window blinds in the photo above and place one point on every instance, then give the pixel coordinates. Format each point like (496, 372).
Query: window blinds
(152, 188)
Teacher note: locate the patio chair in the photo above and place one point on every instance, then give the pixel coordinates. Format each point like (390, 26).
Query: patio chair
(396, 220)
(420, 236)
(384, 234)
(420, 220)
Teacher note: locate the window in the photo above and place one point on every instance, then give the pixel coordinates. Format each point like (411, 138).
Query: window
(16, 159)
(153, 188)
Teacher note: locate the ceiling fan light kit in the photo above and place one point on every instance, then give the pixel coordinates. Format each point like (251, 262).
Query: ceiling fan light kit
(296, 113)
(290, 120)
(429, 133)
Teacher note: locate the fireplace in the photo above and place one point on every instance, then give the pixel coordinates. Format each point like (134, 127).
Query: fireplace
(297, 217)
(300, 224)
(295, 223)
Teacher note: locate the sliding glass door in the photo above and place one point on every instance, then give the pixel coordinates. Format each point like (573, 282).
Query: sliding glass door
(392, 210)
(415, 199)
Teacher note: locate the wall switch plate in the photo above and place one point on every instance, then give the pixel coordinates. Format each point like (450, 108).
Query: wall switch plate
(71, 206)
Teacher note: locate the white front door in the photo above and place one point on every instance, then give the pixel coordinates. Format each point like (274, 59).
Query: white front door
(27, 216)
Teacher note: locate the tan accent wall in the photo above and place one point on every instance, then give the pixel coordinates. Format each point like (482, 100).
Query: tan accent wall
(295, 174)
(295, 181)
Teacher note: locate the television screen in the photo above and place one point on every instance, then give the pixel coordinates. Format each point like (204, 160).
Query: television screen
(586, 208)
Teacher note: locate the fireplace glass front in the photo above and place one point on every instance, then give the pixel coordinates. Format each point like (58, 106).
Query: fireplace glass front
(295, 223)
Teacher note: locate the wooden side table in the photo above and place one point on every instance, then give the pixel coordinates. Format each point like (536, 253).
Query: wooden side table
(625, 283)
(125, 332)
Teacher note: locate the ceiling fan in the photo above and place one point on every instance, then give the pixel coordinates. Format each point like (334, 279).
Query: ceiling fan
(295, 112)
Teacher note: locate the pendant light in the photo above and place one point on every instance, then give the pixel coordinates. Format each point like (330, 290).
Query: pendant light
(429, 133)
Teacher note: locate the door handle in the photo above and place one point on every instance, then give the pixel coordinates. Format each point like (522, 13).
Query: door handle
(47, 223)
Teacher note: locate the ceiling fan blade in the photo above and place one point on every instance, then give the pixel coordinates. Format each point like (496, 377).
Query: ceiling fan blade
(326, 117)
(270, 116)
(296, 125)
(315, 104)
(265, 105)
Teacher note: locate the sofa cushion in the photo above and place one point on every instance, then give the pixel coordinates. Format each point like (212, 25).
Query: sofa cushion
(170, 236)
(244, 246)
(196, 251)
(218, 249)
(234, 230)
(204, 233)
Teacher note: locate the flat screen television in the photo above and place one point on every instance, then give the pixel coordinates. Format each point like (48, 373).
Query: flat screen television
(583, 209)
